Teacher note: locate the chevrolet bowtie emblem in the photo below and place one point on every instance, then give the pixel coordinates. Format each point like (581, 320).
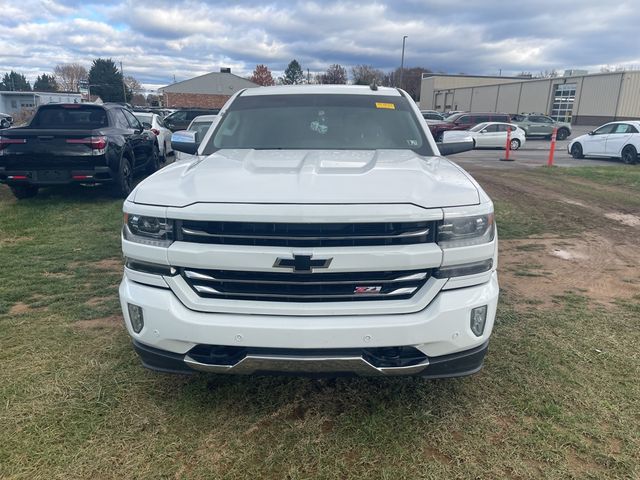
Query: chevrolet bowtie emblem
(302, 263)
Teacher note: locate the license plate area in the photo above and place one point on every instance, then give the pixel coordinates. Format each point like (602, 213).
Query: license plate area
(53, 175)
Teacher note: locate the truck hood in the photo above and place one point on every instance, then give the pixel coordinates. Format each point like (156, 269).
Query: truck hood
(308, 177)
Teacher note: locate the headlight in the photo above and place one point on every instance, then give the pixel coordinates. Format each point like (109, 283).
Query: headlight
(466, 231)
(148, 230)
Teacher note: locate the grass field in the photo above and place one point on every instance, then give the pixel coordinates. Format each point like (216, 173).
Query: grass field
(559, 396)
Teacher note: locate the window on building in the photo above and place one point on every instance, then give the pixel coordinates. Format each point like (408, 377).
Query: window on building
(563, 98)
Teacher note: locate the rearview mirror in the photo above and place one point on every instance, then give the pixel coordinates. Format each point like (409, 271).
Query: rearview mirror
(451, 148)
(185, 141)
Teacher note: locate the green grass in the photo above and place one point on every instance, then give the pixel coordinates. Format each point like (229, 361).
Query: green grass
(558, 398)
(620, 175)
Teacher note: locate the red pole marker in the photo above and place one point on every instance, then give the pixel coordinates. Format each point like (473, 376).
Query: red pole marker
(553, 147)
(507, 147)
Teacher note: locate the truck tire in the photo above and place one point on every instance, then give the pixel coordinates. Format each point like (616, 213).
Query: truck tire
(123, 183)
(24, 191)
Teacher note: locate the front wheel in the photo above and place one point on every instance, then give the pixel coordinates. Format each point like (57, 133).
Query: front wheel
(24, 191)
(629, 155)
(576, 151)
(4, 124)
(514, 144)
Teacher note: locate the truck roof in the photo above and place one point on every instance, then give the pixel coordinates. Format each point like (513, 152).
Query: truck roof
(321, 89)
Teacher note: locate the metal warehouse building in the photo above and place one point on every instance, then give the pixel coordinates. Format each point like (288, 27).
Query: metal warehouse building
(580, 99)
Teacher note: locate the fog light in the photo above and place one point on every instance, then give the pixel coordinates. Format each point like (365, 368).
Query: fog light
(136, 318)
(478, 320)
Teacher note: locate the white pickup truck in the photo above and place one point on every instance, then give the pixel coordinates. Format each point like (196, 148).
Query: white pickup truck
(318, 231)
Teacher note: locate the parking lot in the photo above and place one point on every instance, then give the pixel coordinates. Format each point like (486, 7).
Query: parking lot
(534, 153)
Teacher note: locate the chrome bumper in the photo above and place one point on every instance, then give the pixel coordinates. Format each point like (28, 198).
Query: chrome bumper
(300, 364)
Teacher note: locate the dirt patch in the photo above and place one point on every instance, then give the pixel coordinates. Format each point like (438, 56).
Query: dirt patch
(581, 466)
(56, 275)
(95, 301)
(5, 242)
(114, 321)
(593, 265)
(19, 309)
(114, 264)
(624, 218)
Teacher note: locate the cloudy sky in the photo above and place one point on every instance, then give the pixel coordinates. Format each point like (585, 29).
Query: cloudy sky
(157, 40)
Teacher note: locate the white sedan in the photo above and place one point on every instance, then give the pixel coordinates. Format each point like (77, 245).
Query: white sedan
(489, 135)
(158, 127)
(613, 140)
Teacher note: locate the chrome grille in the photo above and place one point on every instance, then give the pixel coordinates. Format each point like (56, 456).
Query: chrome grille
(305, 287)
(306, 234)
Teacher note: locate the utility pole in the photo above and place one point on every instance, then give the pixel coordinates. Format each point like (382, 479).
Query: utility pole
(308, 76)
(404, 39)
(124, 90)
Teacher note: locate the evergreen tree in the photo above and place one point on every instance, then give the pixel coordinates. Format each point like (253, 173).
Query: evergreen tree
(45, 83)
(105, 80)
(15, 82)
(293, 75)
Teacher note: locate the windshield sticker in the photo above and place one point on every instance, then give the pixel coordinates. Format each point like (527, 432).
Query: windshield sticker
(389, 106)
(320, 125)
(412, 143)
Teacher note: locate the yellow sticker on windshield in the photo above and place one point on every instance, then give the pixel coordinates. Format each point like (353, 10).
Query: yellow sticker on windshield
(390, 106)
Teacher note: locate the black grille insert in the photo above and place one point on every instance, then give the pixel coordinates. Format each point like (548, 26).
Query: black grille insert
(305, 287)
(305, 234)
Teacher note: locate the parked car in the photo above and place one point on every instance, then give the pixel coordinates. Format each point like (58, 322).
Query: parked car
(464, 121)
(200, 125)
(432, 115)
(615, 140)
(5, 120)
(77, 143)
(154, 122)
(489, 135)
(538, 125)
(322, 232)
(181, 119)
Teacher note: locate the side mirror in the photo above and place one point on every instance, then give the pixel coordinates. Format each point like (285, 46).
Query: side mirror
(592, 133)
(451, 148)
(185, 141)
(146, 126)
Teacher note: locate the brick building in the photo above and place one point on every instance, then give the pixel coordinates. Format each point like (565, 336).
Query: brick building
(211, 90)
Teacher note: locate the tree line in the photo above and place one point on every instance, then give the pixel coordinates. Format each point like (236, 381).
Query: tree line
(337, 74)
(105, 80)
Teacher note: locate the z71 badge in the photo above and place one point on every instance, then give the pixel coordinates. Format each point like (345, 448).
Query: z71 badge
(367, 290)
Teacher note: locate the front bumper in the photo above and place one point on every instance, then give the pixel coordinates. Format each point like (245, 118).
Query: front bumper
(312, 344)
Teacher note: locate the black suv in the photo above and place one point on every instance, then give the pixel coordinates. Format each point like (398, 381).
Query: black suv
(181, 119)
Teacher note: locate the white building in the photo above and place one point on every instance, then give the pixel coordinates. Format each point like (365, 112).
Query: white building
(15, 102)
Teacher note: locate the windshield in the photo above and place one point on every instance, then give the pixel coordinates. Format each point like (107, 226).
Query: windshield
(320, 121)
(478, 127)
(74, 117)
(200, 128)
(452, 117)
(144, 118)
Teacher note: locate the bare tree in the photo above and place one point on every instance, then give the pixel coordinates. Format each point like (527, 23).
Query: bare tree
(366, 75)
(133, 84)
(69, 75)
(335, 74)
